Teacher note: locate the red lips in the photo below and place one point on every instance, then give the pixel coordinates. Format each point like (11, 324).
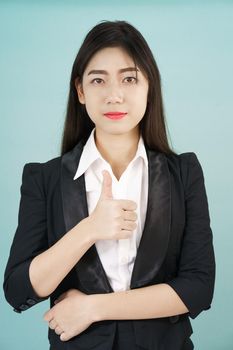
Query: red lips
(115, 115)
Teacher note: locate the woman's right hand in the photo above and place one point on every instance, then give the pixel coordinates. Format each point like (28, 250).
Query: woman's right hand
(111, 218)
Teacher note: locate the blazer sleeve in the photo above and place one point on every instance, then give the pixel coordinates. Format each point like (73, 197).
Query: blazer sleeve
(30, 240)
(195, 279)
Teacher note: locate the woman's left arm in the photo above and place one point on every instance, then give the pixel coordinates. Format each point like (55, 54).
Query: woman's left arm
(143, 303)
(75, 311)
(192, 289)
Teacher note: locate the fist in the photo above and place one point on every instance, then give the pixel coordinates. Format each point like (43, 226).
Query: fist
(112, 218)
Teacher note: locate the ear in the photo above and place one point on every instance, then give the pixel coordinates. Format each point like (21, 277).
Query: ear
(79, 89)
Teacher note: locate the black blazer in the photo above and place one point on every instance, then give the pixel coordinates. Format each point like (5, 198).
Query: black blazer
(175, 248)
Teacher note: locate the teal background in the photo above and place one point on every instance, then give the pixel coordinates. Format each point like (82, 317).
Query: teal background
(192, 44)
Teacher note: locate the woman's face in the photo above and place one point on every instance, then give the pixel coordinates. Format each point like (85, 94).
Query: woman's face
(110, 84)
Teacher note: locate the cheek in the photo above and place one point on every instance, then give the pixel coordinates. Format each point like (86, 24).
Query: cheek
(140, 100)
(92, 97)
(92, 106)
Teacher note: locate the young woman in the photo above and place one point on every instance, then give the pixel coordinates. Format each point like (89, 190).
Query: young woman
(116, 230)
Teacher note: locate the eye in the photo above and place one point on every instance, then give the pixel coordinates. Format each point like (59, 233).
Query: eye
(97, 81)
(131, 80)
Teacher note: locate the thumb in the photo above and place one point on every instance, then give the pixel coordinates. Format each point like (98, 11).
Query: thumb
(106, 190)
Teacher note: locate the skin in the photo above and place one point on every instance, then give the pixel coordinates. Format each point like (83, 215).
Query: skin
(117, 142)
(126, 91)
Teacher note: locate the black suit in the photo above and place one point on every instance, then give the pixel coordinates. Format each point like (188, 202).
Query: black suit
(175, 248)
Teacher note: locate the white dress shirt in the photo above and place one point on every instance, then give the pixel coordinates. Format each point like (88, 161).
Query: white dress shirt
(117, 256)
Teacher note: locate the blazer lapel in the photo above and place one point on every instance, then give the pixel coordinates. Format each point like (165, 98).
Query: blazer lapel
(154, 242)
(90, 272)
(155, 237)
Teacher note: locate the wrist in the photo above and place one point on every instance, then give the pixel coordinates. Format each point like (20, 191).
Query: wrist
(97, 307)
(85, 227)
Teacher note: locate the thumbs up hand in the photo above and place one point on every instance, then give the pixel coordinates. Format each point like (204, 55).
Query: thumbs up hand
(112, 218)
(106, 190)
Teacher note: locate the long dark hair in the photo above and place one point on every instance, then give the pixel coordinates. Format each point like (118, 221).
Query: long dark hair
(78, 124)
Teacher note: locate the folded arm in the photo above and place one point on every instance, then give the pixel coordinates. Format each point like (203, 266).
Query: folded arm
(142, 303)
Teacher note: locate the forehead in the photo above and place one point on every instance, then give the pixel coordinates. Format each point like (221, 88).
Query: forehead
(110, 57)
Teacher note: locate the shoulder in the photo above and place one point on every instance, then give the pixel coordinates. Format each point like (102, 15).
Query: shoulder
(42, 174)
(48, 168)
(182, 158)
(186, 165)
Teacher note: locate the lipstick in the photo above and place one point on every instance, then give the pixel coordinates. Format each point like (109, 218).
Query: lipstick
(115, 115)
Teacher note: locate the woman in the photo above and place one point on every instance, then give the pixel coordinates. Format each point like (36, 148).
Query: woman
(116, 230)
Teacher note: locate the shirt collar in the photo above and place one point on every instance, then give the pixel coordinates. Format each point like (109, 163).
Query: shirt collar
(91, 154)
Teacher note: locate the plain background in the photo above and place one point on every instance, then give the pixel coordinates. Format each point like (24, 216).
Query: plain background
(192, 44)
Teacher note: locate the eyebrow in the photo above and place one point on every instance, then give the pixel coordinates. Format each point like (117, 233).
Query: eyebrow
(122, 70)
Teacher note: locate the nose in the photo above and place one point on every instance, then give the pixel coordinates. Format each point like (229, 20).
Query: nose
(114, 94)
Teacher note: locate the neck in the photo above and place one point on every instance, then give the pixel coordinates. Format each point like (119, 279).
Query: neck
(117, 150)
